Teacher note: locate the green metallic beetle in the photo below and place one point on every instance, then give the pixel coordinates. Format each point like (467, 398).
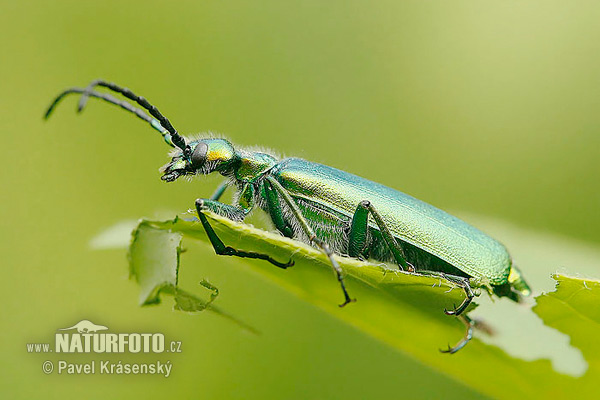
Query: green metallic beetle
(334, 210)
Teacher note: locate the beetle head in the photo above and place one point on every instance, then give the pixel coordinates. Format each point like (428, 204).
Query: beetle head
(201, 156)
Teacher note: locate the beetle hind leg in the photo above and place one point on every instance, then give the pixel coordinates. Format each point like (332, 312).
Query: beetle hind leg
(357, 238)
(275, 190)
(469, 324)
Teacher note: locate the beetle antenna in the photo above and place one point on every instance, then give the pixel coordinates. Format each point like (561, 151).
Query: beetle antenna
(177, 139)
(112, 100)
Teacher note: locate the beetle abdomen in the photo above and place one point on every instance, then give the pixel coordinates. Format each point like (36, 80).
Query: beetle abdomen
(410, 220)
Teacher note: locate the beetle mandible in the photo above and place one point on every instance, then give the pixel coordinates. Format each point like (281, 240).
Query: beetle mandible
(336, 211)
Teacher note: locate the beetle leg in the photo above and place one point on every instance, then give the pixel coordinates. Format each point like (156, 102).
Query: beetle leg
(275, 211)
(336, 267)
(311, 235)
(469, 324)
(219, 191)
(219, 246)
(466, 286)
(225, 210)
(357, 238)
(358, 234)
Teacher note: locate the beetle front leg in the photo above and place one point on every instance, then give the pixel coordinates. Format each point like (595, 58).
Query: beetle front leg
(225, 210)
(220, 190)
(218, 245)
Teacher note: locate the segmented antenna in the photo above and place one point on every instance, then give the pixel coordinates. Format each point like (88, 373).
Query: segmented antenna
(161, 123)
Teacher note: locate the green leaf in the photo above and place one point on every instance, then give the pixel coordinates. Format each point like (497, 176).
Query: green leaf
(154, 260)
(154, 263)
(574, 308)
(401, 309)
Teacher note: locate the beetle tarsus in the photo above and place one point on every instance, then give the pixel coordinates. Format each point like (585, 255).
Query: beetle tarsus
(223, 250)
(466, 286)
(468, 322)
(347, 301)
(230, 251)
(337, 269)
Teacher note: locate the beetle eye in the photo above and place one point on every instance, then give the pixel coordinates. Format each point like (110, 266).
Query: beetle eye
(199, 155)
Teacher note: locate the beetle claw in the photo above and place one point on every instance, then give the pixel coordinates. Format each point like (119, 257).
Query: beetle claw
(469, 324)
(451, 350)
(347, 301)
(450, 312)
(448, 350)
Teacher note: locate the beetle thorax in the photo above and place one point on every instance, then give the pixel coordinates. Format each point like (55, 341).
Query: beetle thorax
(252, 165)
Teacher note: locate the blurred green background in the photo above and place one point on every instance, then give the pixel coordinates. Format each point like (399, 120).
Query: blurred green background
(489, 108)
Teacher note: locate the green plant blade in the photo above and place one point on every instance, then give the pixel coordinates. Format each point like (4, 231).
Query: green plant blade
(401, 309)
(154, 263)
(574, 308)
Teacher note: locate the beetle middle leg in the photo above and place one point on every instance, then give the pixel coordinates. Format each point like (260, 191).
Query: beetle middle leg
(218, 245)
(273, 188)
